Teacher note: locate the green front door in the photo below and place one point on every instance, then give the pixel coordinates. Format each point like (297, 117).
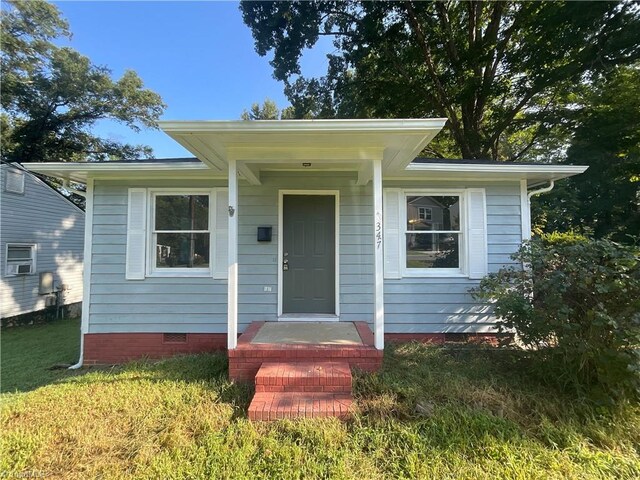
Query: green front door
(308, 249)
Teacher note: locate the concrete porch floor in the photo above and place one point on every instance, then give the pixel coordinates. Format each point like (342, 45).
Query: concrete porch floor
(308, 333)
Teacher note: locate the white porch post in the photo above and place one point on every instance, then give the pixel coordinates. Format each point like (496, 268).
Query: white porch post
(378, 255)
(232, 282)
(525, 209)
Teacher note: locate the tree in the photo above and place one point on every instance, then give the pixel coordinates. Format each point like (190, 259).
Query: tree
(500, 72)
(52, 96)
(268, 111)
(605, 200)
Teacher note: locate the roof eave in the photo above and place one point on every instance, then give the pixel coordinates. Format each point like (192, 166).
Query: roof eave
(80, 172)
(292, 126)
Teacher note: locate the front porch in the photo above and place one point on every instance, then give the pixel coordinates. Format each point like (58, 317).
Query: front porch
(294, 342)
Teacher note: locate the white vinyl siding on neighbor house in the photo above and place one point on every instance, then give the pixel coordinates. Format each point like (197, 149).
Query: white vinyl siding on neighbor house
(36, 217)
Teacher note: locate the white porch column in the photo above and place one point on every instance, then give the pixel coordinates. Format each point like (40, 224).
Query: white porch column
(525, 211)
(232, 282)
(378, 255)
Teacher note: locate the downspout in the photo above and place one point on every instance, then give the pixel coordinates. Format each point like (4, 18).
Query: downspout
(541, 191)
(86, 273)
(526, 205)
(81, 359)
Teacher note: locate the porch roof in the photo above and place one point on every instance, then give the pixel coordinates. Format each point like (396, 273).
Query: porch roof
(309, 145)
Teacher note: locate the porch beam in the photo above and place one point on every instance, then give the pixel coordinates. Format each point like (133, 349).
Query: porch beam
(232, 290)
(378, 255)
(365, 174)
(250, 174)
(309, 153)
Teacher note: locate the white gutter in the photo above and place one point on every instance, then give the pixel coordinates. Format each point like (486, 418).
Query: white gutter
(562, 170)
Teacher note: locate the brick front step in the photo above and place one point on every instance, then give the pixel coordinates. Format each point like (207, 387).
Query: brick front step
(302, 390)
(267, 406)
(332, 377)
(248, 357)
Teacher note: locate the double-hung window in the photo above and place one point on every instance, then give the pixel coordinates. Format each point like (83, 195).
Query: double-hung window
(433, 233)
(175, 232)
(180, 232)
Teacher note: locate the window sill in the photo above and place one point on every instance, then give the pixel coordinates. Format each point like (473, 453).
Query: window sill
(423, 274)
(181, 273)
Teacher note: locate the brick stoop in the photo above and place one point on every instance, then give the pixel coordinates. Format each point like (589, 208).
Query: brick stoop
(302, 390)
(248, 357)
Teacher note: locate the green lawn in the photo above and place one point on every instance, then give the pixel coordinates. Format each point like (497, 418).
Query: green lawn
(431, 412)
(28, 353)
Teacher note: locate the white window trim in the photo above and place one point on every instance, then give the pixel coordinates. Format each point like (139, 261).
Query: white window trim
(34, 256)
(462, 271)
(152, 270)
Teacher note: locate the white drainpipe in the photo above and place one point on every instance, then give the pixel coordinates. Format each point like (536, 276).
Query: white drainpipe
(541, 190)
(526, 206)
(79, 364)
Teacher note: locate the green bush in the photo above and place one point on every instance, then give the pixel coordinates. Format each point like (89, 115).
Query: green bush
(576, 307)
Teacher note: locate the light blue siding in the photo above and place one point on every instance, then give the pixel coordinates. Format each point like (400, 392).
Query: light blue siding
(39, 216)
(179, 305)
(258, 263)
(435, 305)
(190, 304)
(200, 304)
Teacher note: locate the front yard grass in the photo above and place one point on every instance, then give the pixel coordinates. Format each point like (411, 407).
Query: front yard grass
(29, 353)
(432, 412)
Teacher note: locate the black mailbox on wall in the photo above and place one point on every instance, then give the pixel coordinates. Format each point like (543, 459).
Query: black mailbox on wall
(264, 234)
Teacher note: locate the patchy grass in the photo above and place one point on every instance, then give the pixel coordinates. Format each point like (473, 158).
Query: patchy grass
(430, 413)
(28, 353)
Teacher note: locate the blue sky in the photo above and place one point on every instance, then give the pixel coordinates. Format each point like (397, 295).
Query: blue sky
(198, 56)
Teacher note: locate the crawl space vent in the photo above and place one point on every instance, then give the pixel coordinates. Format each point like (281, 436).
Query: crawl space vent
(174, 338)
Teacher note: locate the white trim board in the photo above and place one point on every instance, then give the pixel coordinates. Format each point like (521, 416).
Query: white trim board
(150, 268)
(336, 194)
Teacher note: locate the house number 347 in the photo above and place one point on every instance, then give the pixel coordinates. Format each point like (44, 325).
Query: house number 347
(378, 231)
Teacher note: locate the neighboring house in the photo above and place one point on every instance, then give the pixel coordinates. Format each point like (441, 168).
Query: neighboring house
(41, 244)
(325, 220)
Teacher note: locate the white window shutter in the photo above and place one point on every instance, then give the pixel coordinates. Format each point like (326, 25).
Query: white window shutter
(221, 235)
(393, 233)
(136, 234)
(477, 232)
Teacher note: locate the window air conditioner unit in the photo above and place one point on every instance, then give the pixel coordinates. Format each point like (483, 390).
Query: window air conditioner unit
(19, 269)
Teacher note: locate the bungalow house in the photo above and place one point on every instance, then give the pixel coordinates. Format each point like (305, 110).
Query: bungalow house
(276, 223)
(41, 247)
